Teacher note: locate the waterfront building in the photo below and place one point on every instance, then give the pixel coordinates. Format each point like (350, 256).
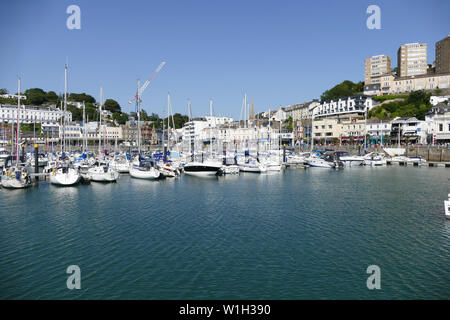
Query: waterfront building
(374, 67)
(326, 129)
(412, 59)
(357, 105)
(409, 130)
(378, 130)
(31, 114)
(442, 62)
(352, 130)
(438, 122)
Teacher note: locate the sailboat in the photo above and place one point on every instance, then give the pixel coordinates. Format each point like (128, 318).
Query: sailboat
(102, 172)
(65, 174)
(207, 168)
(16, 177)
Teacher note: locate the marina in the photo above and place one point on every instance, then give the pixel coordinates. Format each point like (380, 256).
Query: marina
(225, 159)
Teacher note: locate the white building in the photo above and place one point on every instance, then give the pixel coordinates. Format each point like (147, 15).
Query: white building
(438, 120)
(411, 130)
(378, 129)
(30, 114)
(355, 104)
(12, 96)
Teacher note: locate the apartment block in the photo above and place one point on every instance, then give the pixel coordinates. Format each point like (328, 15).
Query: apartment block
(412, 59)
(374, 67)
(443, 55)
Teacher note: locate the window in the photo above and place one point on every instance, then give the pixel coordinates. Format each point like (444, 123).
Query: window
(441, 127)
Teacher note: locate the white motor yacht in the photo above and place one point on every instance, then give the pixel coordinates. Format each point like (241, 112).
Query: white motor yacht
(207, 168)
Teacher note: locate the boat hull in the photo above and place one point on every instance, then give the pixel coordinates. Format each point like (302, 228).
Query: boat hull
(64, 179)
(151, 174)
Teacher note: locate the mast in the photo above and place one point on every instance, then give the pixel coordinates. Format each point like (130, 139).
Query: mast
(210, 128)
(65, 108)
(139, 116)
(168, 121)
(100, 122)
(365, 128)
(312, 126)
(84, 127)
(18, 124)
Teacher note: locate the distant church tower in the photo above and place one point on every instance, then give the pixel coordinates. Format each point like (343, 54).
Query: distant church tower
(252, 113)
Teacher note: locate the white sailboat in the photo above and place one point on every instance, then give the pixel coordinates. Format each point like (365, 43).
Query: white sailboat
(16, 177)
(64, 175)
(102, 173)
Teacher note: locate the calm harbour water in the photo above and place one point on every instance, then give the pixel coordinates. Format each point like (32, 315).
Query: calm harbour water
(300, 234)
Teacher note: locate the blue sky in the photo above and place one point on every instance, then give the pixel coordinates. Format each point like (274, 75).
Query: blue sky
(279, 52)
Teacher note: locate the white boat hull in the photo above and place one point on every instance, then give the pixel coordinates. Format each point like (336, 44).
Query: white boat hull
(151, 174)
(12, 183)
(65, 179)
(104, 177)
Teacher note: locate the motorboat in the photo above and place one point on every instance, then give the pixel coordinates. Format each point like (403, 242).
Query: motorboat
(16, 177)
(229, 169)
(102, 173)
(349, 160)
(167, 170)
(417, 160)
(202, 169)
(375, 159)
(324, 160)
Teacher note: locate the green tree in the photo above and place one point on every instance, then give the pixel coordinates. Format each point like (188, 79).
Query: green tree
(3, 91)
(91, 112)
(112, 105)
(51, 96)
(80, 97)
(35, 96)
(120, 118)
(343, 89)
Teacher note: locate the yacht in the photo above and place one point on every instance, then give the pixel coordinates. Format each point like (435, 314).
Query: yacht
(252, 165)
(167, 170)
(143, 170)
(120, 163)
(324, 160)
(202, 169)
(375, 159)
(102, 173)
(349, 160)
(16, 177)
(64, 175)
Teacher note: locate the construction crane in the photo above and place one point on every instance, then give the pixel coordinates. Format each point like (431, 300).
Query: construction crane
(146, 83)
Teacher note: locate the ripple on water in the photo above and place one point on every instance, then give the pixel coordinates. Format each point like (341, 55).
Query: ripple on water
(294, 235)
